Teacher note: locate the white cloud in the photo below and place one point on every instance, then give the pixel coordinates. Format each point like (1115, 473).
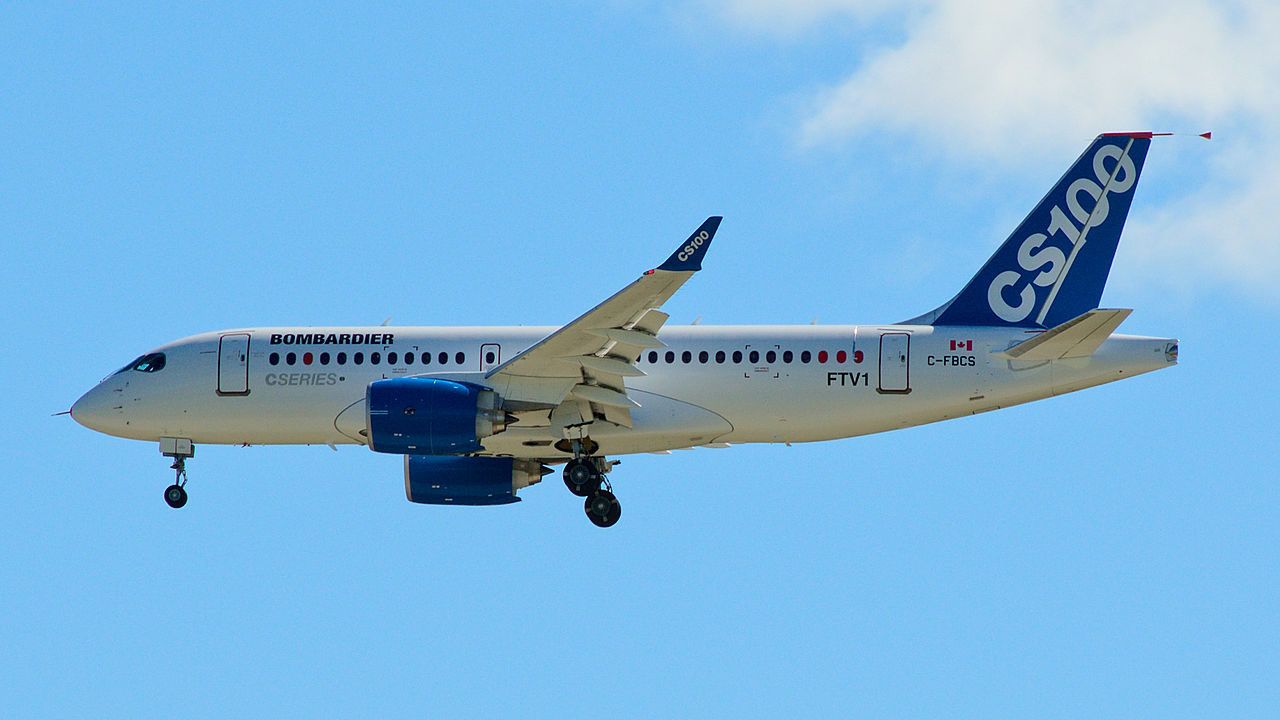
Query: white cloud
(969, 75)
(788, 18)
(1223, 229)
(974, 73)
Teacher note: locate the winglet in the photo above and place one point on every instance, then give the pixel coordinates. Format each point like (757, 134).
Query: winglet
(689, 255)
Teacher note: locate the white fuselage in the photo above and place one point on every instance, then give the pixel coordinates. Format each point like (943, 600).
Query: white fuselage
(727, 384)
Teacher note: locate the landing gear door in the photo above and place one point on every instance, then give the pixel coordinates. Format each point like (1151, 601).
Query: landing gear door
(895, 354)
(233, 364)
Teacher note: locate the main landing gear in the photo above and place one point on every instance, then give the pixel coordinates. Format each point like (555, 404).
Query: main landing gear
(584, 476)
(179, 450)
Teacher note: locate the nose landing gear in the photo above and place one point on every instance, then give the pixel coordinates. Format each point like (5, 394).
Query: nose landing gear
(176, 494)
(179, 449)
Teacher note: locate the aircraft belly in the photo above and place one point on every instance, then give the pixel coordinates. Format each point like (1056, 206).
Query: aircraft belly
(266, 416)
(660, 423)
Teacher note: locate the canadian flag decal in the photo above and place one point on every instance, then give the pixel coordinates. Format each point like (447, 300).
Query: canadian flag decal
(962, 345)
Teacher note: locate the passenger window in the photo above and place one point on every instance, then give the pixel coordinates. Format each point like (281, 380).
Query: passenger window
(822, 356)
(443, 358)
(671, 356)
(358, 358)
(291, 358)
(375, 358)
(274, 358)
(754, 357)
(770, 357)
(703, 357)
(686, 357)
(460, 358)
(841, 356)
(805, 356)
(324, 358)
(653, 356)
(489, 357)
(342, 358)
(426, 358)
(737, 356)
(408, 358)
(391, 358)
(720, 356)
(786, 356)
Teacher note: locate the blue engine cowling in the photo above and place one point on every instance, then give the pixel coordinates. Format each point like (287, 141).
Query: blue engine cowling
(461, 480)
(430, 416)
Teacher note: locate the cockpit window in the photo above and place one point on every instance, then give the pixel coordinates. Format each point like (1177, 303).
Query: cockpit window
(149, 363)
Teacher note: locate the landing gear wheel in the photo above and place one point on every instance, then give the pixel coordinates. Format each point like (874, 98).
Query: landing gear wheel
(581, 477)
(603, 508)
(175, 495)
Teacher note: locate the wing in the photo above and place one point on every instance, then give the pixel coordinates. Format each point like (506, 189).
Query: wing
(579, 371)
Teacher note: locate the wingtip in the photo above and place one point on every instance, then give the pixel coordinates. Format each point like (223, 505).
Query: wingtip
(688, 257)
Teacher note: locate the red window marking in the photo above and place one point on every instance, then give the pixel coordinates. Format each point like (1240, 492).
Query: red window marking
(306, 358)
(857, 356)
(822, 356)
(841, 356)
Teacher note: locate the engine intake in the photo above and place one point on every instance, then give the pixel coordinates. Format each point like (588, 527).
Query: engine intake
(456, 480)
(430, 416)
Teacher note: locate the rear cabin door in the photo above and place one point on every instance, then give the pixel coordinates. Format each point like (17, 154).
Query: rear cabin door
(895, 354)
(233, 364)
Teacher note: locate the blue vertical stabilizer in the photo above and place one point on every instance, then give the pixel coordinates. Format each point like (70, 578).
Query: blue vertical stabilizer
(1054, 266)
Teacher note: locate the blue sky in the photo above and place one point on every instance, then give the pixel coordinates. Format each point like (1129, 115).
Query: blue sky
(168, 171)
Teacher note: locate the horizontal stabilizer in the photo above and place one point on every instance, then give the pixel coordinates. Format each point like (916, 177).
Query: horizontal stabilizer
(1075, 338)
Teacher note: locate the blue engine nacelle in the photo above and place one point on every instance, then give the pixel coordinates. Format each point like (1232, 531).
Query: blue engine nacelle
(460, 480)
(429, 416)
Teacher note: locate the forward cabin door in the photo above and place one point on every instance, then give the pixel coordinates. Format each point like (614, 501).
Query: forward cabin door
(233, 364)
(895, 354)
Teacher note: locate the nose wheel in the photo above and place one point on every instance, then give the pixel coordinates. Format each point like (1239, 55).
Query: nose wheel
(176, 494)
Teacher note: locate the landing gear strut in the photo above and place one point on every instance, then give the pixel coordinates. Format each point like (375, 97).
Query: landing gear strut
(584, 476)
(179, 450)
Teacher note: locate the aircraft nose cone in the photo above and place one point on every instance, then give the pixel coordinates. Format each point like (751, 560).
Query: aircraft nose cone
(97, 409)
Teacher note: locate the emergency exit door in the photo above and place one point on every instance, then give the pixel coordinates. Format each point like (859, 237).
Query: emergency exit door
(490, 356)
(233, 364)
(895, 356)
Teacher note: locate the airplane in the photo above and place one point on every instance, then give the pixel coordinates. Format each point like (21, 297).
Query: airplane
(480, 413)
